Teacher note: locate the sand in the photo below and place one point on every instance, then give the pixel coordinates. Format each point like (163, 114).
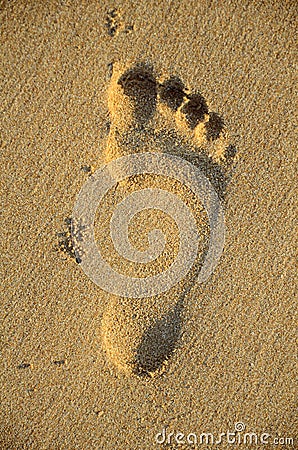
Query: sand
(85, 369)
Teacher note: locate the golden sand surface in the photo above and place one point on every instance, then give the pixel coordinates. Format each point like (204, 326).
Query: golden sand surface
(82, 84)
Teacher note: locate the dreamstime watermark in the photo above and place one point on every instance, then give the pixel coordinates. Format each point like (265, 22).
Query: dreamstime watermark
(106, 178)
(238, 436)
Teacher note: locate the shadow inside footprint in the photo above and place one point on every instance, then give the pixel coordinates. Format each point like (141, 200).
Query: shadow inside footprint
(158, 343)
(140, 85)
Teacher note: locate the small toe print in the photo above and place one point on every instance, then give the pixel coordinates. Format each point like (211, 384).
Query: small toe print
(195, 109)
(214, 126)
(172, 92)
(230, 153)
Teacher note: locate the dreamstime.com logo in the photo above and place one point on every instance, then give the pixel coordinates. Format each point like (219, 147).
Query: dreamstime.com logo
(238, 436)
(105, 179)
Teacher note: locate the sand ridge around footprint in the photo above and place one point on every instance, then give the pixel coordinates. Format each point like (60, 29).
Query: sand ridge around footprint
(159, 115)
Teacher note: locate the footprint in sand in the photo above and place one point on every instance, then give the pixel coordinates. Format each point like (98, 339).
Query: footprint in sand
(157, 116)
